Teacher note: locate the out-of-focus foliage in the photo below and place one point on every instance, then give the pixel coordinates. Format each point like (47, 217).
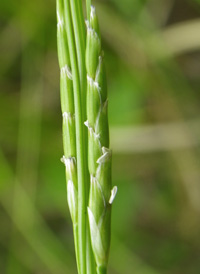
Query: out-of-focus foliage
(152, 53)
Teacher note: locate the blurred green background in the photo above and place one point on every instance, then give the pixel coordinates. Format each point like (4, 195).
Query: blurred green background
(152, 53)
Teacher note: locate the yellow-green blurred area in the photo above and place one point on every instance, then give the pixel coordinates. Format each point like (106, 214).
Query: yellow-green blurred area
(152, 53)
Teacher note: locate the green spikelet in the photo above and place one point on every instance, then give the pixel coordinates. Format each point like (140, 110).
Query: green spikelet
(99, 155)
(67, 107)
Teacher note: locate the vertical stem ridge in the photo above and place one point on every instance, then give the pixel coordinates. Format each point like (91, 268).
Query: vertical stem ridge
(80, 40)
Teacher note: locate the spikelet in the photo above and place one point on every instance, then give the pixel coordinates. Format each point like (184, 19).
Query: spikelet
(99, 155)
(67, 107)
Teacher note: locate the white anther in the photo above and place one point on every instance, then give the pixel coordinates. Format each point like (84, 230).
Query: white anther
(86, 123)
(113, 194)
(60, 21)
(91, 130)
(69, 163)
(68, 116)
(87, 24)
(65, 161)
(97, 85)
(66, 70)
(93, 33)
(90, 80)
(92, 12)
(106, 155)
(96, 135)
(93, 83)
(65, 115)
(93, 179)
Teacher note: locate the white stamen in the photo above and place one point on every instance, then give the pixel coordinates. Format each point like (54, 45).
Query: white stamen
(86, 123)
(93, 179)
(87, 24)
(97, 85)
(92, 12)
(91, 130)
(69, 163)
(90, 80)
(93, 83)
(113, 194)
(66, 70)
(60, 21)
(68, 116)
(93, 33)
(65, 161)
(106, 155)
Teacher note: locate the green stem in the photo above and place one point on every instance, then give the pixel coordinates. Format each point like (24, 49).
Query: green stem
(82, 22)
(79, 142)
(80, 39)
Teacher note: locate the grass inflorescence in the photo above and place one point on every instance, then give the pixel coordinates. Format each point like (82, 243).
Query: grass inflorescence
(87, 156)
